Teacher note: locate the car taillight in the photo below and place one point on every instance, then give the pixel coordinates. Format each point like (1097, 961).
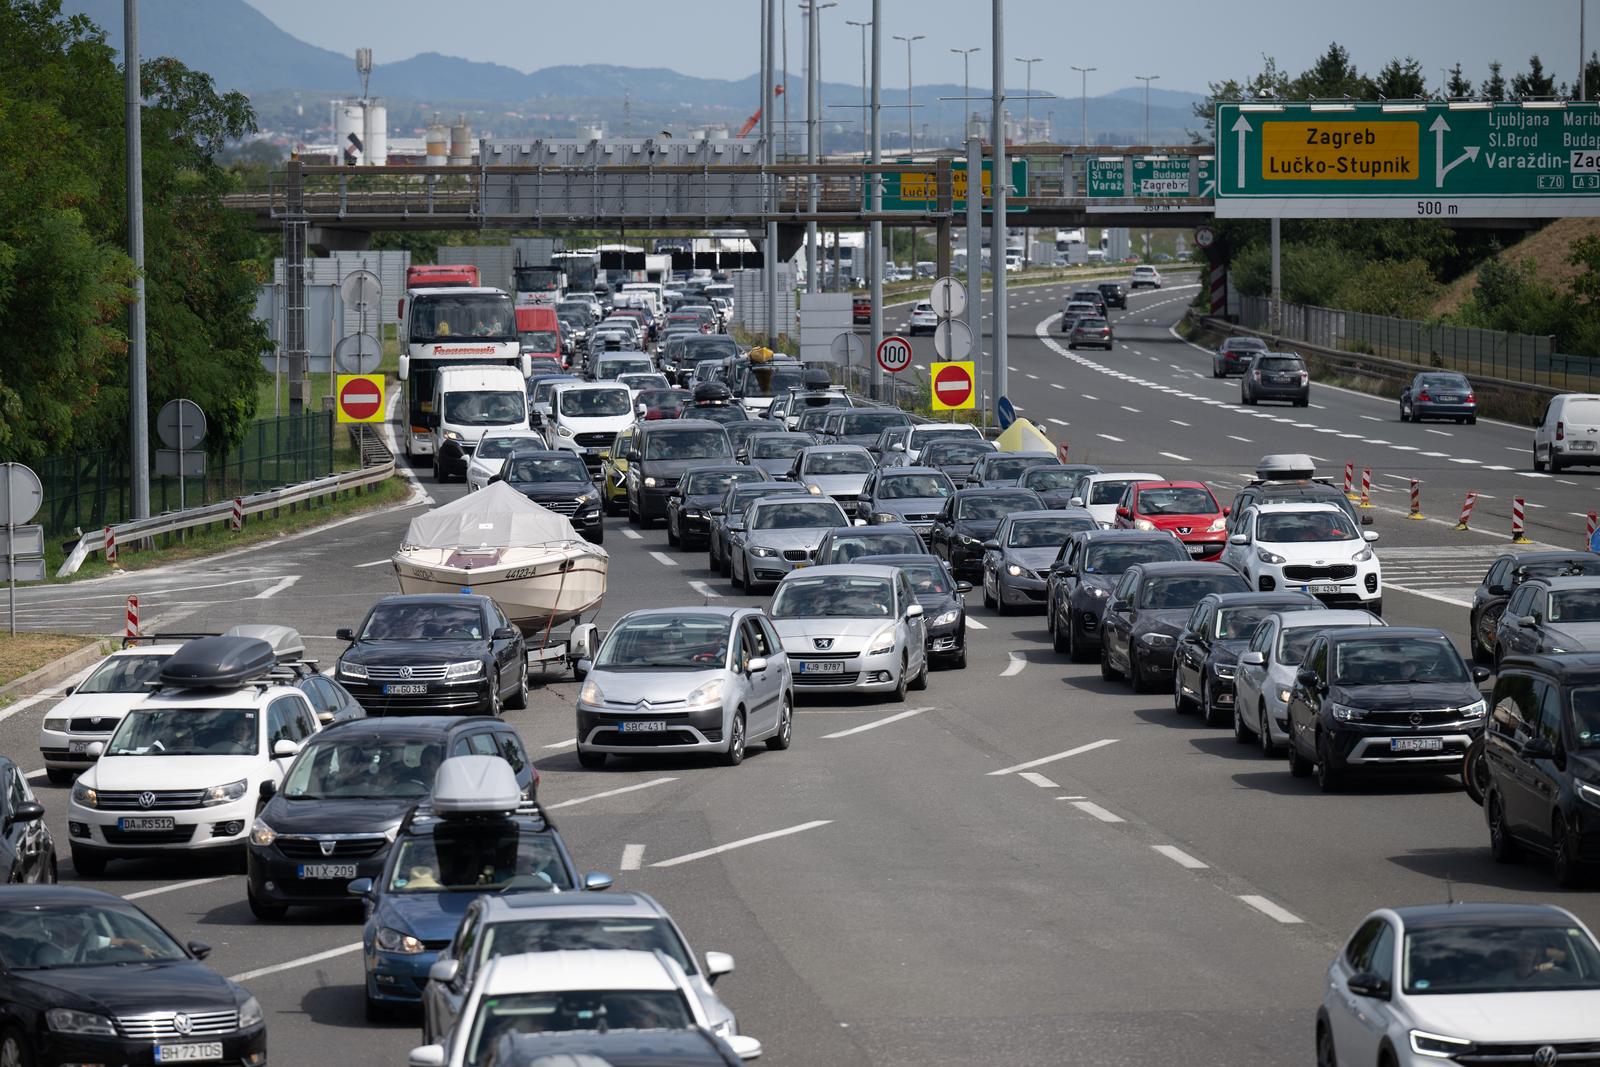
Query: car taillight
(1256, 375)
(1424, 396)
(1305, 379)
(1471, 399)
(1561, 430)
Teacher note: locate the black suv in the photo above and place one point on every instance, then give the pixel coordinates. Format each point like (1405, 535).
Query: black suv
(1209, 645)
(1505, 574)
(1276, 376)
(1080, 581)
(559, 481)
(1148, 607)
(1543, 750)
(968, 519)
(697, 493)
(662, 452)
(1113, 293)
(1382, 699)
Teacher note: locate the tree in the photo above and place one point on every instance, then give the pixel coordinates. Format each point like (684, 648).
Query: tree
(1333, 75)
(1458, 85)
(1494, 86)
(1400, 80)
(1591, 77)
(1269, 82)
(1534, 83)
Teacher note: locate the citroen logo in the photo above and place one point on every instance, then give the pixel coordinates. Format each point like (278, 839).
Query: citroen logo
(405, 672)
(823, 643)
(1416, 719)
(327, 847)
(181, 1023)
(147, 799)
(1545, 1056)
(643, 705)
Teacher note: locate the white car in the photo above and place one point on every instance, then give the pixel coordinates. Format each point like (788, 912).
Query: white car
(92, 709)
(1568, 433)
(1312, 548)
(183, 770)
(852, 627)
(1145, 275)
(923, 319)
(1266, 671)
(1101, 493)
(1463, 983)
(1013, 263)
(492, 451)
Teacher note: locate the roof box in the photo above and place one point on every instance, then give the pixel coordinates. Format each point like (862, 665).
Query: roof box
(286, 642)
(218, 663)
(475, 785)
(1286, 467)
(816, 378)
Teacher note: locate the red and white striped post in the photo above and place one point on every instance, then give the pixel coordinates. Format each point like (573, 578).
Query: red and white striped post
(1518, 525)
(1416, 500)
(238, 514)
(1061, 451)
(1366, 488)
(1588, 533)
(1466, 510)
(111, 546)
(1219, 289)
(132, 629)
(1349, 481)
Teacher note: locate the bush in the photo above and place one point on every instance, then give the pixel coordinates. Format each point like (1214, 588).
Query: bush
(1404, 290)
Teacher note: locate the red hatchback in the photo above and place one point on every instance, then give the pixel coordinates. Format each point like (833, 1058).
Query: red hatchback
(1187, 510)
(861, 310)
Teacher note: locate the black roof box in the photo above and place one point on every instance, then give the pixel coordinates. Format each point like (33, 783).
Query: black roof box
(218, 663)
(816, 378)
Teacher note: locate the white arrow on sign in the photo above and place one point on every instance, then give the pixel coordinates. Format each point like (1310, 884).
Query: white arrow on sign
(1241, 127)
(1440, 168)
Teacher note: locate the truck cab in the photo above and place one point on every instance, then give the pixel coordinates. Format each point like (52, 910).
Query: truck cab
(469, 401)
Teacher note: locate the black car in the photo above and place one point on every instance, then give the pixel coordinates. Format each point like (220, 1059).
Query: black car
(1542, 746)
(345, 795)
(1439, 395)
(558, 481)
(86, 977)
(727, 518)
(943, 600)
(861, 426)
(968, 519)
(426, 653)
(740, 433)
(1552, 615)
(910, 495)
(1147, 609)
(773, 450)
(662, 452)
(1234, 354)
(1054, 481)
(697, 494)
(27, 852)
(1007, 468)
(1372, 699)
(1209, 645)
(1114, 295)
(1276, 376)
(1078, 586)
(844, 544)
(956, 457)
(1505, 574)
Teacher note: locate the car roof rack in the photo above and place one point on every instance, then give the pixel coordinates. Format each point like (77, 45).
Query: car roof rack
(133, 640)
(218, 662)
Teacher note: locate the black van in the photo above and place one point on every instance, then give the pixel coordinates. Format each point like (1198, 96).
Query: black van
(662, 451)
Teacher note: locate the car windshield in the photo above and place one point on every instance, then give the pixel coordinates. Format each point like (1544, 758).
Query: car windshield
(849, 546)
(573, 933)
(909, 486)
(1237, 624)
(424, 622)
(709, 348)
(666, 642)
(1304, 527)
(485, 408)
(1398, 661)
(940, 453)
(365, 769)
(525, 470)
(870, 422)
(1244, 344)
(1177, 500)
(1586, 716)
(664, 399)
(186, 731)
(1186, 590)
(706, 483)
(989, 507)
(778, 446)
(926, 578)
(1108, 492)
(686, 444)
(444, 317)
(1043, 481)
(477, 857)
(1009, 468)
(123, 674)
(1113, 558)
(499, 446)
(764, 381)
(538, 340)
(610, 369)
(1047, 533)
(641, 381)
(1292, 644)
(797, 515)
(505, 1028)
(838, 463)
(1446, 382)
(833, 596)
(815, 418)
(1281, 364)
(47, 935)
(595, 403)
(920, 436)
(1501, 957)
(1575, 605)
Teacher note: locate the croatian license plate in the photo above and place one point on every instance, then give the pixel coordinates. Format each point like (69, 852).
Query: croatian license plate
(146, 822)
(1448, 399)
(409, 689)
(643, 726)
(345, 871)
(1416, 744)
(194, 1052)
(822, 667)
(77, 748)
(1320, 590)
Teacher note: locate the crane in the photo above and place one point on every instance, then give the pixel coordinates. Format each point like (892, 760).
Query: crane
(750, 123)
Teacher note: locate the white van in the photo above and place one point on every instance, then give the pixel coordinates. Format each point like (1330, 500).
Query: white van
(467, 402)
(1569, 433)
(585, 418)
(655, 290)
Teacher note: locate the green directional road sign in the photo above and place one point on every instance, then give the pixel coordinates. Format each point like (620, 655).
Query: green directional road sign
(1108, 177)
(1408, 160)
(1109, 180)
(916, 188)
(1159, 176)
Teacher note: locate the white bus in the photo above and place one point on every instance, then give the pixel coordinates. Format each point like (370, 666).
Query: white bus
(443, 326)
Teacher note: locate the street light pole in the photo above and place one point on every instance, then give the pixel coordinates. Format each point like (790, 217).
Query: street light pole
(866, 132)
(966, 90)
(812, 10)
(1085, 71)
(875, 269)
(911, 113)
(1027, 107)
(138, 402)
(997, 217)
(1147, 79)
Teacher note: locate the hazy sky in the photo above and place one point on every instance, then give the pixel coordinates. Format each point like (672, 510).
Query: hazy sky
(1193, 41)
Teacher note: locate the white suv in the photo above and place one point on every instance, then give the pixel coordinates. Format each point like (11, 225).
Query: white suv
(923, 319)
(1145, 275)
(1311, 548)
(94, 707)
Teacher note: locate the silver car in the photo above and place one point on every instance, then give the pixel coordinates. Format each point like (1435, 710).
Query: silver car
(840, 471)
(675, 680)
(780, 534)
(1266, 671)
(852, 627)
(1017, 560)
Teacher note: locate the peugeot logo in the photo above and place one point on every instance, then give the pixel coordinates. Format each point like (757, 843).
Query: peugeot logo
(823, 643)
(147, 799)
(1545, 1056)
(327, 847)
(181, 1023)
(405, 672)
(1416, 719)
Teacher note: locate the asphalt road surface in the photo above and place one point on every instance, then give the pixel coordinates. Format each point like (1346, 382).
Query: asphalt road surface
(1022, 865)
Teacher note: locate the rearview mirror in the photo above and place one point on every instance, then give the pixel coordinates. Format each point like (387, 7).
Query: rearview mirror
(95, 750)
(283, 748)
(963, 587)
(717, 965)
(581, 644)
(1076, 501)
(914, 611)
(361, 887)
(497, 477)
(1306, 677)
(1252, 659)
(1370, 535)
(1366, 520)
(1481, 674)
(198, 949)
(1367, 984)
(344, 633)
(991, 545)
(1118, 605)
(426, 1056)
(1239, 539)
(30, 811)
(1538, 748)
(443, 971)
(597, 882)
(267, 790)
(504, 633)
(744, 1046)
(756, 665)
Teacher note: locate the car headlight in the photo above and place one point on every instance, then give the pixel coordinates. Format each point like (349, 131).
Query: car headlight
(882, 643)
(1225, 671)
(884, 516)
(708, 696)
(763, 552)
(590, 693)
(58, 725)
(250, 1014)
(1143, 524)
(1098, 593)
(651, 483)
(1156, 639)
(262, 834)
(1218, 524)
(395, 941)
(1269, 557)
(1475, 710)
(1014, 570)
(67, 1021)
(1363, 556)
(223, 794)
(564, 432)
(451, 435)
(1283, 696)
(948, 618)
(1437, 1045)
(352, 670)
(1345, 713)
(1588, 792)
(470, 668)
(584, 499)
(85, 796)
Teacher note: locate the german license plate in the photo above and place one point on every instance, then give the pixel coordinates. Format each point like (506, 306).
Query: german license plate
(409, 689)
(193, 1052)
(346, 871)
(77, 748)
(643, 726)
(822, 667)
(1321, 590)
(146, 822)
(1416, 744)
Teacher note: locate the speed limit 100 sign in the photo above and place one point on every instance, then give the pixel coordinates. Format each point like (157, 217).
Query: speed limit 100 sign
(894, 354)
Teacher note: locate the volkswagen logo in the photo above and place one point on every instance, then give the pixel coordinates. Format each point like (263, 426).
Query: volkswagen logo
(405, 672)
(327, 847)
(1416, 719)
(147, 799)
(181, 1023)
(823, 643)
(1545, 1056)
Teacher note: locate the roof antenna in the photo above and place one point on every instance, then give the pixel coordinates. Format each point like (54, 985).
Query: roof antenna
(1449, 890)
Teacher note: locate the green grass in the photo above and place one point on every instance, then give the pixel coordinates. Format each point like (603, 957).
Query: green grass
(27, 652)
(273, 396)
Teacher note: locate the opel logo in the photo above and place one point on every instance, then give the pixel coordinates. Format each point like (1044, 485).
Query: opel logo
(1416, 719)
(405, 672)
(181, 1023)
(1545, 1056)
(147, 799)
(327, 847)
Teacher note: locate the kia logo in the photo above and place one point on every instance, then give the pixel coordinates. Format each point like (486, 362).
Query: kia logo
(147, 799)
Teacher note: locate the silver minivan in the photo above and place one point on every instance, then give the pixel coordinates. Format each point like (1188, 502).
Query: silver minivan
(1569, 433)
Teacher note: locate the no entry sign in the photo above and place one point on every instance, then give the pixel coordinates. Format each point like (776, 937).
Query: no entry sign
(894, 354)
(360, 398)
(952, 386)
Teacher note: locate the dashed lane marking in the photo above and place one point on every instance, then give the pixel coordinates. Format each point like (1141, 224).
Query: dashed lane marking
(1058, 422)
(632, 858)
(1180, 857)
(976, 625)
(1174, 455)
(1236, 437)
(1271, 910)
(303, 961)
(864, 727)
(174, 887)
(1089, 807)
(742, 843)
(277, 587)
(703, 589)
(633, 535)
(1015, 667)
(663, 559)
(1038, 779)
(569, 742)
(1109, 437)
(1042, 760)
(651, 784)
(374, 563)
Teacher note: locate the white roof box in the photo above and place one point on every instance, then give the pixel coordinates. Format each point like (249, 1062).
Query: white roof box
(287, 644)
(475, 785)
(1286, 467)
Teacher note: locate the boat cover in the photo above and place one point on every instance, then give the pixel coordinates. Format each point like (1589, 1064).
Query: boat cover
(495, 517)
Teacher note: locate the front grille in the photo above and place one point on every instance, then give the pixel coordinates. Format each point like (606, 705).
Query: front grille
(847, 678)
(796, 555)
(1333, 572)
(310, 848)
(568, 507)
(93, 724)
(163, 1024)
(643, 740)
(922, 518)
(1567, 1052)
(408, 673)
(178, 835)
(1402, 719)
(174, 800)
(596, 440)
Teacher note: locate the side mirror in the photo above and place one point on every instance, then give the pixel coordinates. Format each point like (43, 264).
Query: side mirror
(1366, 520)
(1122, 512)
(443, 971)
(1528, 621)
(897, 447)
(1227, 509)
(1538, 748)
(504, 633)
(1370, 536)
(742, 455)
(991, 545)
(1481, 674)
(496, 477)
(632, 455)
(198, 949)
(717, 965)
(344, 633)
(756, 665)
(361, 887)
(1239, 539)
(96, 749)
(1118, 605)
(267, 790)
(963, 587)
(1252, 659)
(283, 748)
(581, 644)
(914, 611)
(426, 1056)
(597, 882)
(32, 811)
(1367, 984)
(1076, 501)
(69, 690)
(744, 1046)
(1307, 678)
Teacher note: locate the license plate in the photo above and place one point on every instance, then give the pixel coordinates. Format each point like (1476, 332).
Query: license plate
(1582, 446)
(146, 822)
(346, 871)
(1321, 590)
(1447, 399)
(194, 1052)
(643, 726)
(406, 690)
(77, 748)
(822, 667)
(1416, 744)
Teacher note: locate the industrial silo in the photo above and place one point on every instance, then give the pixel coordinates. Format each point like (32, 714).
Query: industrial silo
(438, 143)
(461, 142)
(349, 136)
(376, 133)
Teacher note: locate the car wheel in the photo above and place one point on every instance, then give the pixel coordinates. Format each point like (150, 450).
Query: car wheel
(1264, 733)
(1216, 369)
(1107, 671)
(1537, 465)
(735, 753)
(264, 911)
(1475, 771)
(672, 531)
(959, 661)
(60, 776)
(88, 864)
(920, 682)
(1050, 620)
(1299, 766)
(1502, 846)
(734, 576)
(14, 1050)
(899, 693)
(591, 760)
(1241, 732)
(1568, 871)
(1326, 1057)
(1180, 702)
(988, 601)
(519, 699)
(1207, 707)
(713, 562)
(1136, 677)
(1555, 462)
(1328, 777)
(633, 514)
(785, 735)
(1405, 416)
(1059, 639)
(496, 706)
(1472, 420)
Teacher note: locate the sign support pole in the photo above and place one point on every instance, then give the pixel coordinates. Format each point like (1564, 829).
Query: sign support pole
(138, 385)
(997, 224)
(11, 574)
(875, 243)
(975, 258)
(1275, 312)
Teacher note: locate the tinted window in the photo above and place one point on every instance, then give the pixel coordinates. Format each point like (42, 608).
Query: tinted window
(686, 444)
(1010, 468)
(1398, 660)
(1280, 364)
(942, 452)
(531, 470)
(702, 483)
(873, 422)
(777, 446)
(423, 622)
(1046, 533)
(373, 768)
(848, 546)
(797, 515)
(1045, 480)
(903, 486)
(1182, 592)
(990, 507)
(1176, 500)
(642, 934)
(1574, 605)
(1304, 527)
(595, 403)
(1237, 624)
(1586, 717)
(838, 463)
(1108, 492)
(1498, 958)
(124, 674)
(1113, 558)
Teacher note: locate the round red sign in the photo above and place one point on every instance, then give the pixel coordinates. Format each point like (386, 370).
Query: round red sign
(953, 386)
(360, 399)
(894, 354)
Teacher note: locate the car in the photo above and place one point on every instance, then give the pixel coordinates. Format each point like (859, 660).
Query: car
(652, 404)
(490, 455)
(344, 797)
(853, 627)
(1276, 376)
(1267, 668)
(1187, 510)
(558, 481)
(1568, 433)
(87, 977)
(727, 517)
(860, 310)
(1462, 983)
(1206, 656)
(1553, 615)
(838, 471)
(641, 382)
(585, 418)
(1370, 700)
(1234, 354)
(908, 495)
(956, 457)
(774, 451)
(1507, 571)
(1113, 294)
(1291, 477)
(740, 433)
(969, 518)
(27, 851)
(943, 600)
(1024, 547)
(780, 533)
(690, 505)
(813, 419)
(1075, 310)
(1007, 468)
(923, 319)
(846, 543)
(1091, 330)
(662, 453)
(613, 474)
(1090, 296)
(1439, 395)
(883, 448)
(431, 653)
(1146, 612)
(1144, 275)
(91, 710)
(1102, 493)
(473, 835)
(670, 681)
(1310, 547)
(924, 433)
(1079, 583)
(861, 426)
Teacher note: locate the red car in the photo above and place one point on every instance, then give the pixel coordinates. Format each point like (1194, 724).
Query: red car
(1185, 509)
(861, 310)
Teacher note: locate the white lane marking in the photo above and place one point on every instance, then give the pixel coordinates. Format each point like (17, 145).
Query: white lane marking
(316, 957)
(633, 535)
(1531, 504)
(1472, 462)
(703, 589)
(1174, 455)
(1058, 422)
(1041, 761)
(1404, 448)
(1441, 433)
(1494, 467)
(1396, 477)
(31, 775)
(1015, 667)
(1177, 422)
(1514, 448)
(1127, 408)
(874, 724)
(1235, 437)
(741, 843)
(1072, 798)
(1038, 779)
(28, 702)
(1089, 807)
(564, 744)
(663, 559)
(976, 625)
(1563, 481)
(1033, 377)
(1180, 857)
(651, 784)
(1271, 910)
(374, 563)
(1108, 437)
(277, 587)
(1086, 396)
(632, 858)
(175, 886)
(1372, 418)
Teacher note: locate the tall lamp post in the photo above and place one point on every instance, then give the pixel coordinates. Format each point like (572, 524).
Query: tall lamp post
(911, 114)
(812, 9)
(1147, 79)
(966, 89)
(1027, 108)
(866, 128)
(1085, 71)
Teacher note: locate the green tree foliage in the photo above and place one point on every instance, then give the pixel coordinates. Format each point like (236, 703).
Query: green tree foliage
(1458, 85)
(1400, 80)
(1402, 288)
(1332, 75)
(1591, 78)
(1533, 82)
(1494, 86)
(1311, 272)
(1269, 82)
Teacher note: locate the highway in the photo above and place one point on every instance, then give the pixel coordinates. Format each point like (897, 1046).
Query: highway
(1023, 864)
